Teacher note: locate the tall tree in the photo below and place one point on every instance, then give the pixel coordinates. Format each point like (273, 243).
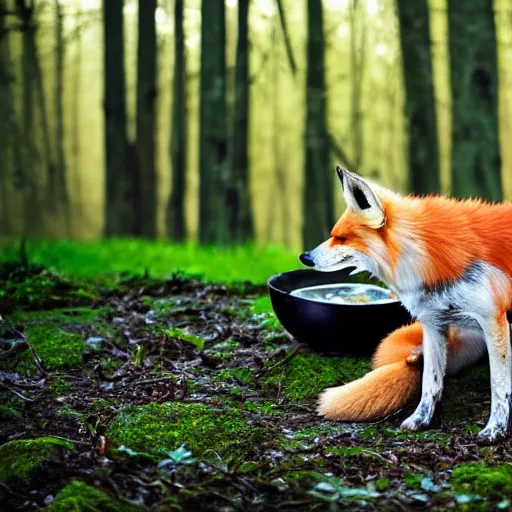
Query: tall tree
(476, 161)
(176, 228)
(5, 122)
(241, 222)
(31, 168)
(424, 176)
(146, 118)
(317, 205)
(120, 209)
(213, 136)
(58, 184)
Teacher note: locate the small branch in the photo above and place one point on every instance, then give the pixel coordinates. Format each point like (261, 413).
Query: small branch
(287, 42)
(37, 359)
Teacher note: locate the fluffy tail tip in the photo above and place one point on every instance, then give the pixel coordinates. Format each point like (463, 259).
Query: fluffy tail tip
(378, 394)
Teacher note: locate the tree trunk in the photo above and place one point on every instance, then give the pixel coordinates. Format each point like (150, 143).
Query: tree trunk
(5, 128)
(146, 119)
(241, 222)
(59, 188)
(120, 208)
(29, 167)
(213, 138)
(176, 228)
(75, 128)
(317, 207)
(476, 161)
(424, 174)
(357, 68)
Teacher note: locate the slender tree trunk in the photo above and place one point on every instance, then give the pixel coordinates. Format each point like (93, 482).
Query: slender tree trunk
(357, 67)
(146, 118)
(316, 206)
(176, 228)
(476, 161)
(120, 210)
(5, 128)
(29, 167)
(213, 137)
(424, 174)
(75, 127)
(241, 222)
(59, 184)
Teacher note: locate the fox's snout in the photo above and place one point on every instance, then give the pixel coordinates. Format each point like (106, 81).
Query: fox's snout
(306, 259)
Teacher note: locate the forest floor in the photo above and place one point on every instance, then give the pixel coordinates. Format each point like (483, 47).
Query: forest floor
(142, 393)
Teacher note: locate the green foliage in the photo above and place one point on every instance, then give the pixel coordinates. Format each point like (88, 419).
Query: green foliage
(307, 374)
(263, 308)
(115, 256)
(482, 479)
(157, 429)
(183, 336)
(80, 497)
(18, 458)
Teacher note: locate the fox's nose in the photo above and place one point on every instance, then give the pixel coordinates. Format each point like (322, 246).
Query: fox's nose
(306, 259)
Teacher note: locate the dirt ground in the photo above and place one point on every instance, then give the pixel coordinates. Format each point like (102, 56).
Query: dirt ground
(139, 394)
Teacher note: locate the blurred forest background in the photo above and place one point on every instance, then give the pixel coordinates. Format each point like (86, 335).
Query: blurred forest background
(221, 121)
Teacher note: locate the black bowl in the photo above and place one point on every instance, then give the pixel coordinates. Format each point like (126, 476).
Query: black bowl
(345, 329)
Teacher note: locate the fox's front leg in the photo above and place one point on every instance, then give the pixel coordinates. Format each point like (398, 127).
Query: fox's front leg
(497, 338)
(434, 368)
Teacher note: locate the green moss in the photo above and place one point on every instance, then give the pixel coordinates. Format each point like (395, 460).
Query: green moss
(57, 386)
(79, 497)
(57, 349)
(307, 374)
(19, 458)
(40, 289)
(482, 479)
(10, 407)
(157, 429)
(113, 256)
(64, 316)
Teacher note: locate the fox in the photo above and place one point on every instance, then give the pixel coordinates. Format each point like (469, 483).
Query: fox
(448, 261)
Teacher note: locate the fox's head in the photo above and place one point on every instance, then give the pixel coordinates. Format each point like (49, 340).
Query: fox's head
(357, 238)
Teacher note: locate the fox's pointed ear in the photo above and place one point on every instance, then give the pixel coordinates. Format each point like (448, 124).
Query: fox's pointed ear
(360, 197)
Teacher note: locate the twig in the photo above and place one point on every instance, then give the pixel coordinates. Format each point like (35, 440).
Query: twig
(37, 359)
(291, 354)
(289, 51)
(17, 393)
(153, 381)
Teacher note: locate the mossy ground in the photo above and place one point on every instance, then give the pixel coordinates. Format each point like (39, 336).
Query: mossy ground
(154, 364)
(158, 429)
(307, 374)
(80, 497)
(18, 458)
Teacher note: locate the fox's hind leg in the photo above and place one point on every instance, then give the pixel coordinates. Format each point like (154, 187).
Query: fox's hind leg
(434, 369)
(497, 337)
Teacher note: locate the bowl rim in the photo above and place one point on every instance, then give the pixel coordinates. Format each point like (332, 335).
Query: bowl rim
(383, 303)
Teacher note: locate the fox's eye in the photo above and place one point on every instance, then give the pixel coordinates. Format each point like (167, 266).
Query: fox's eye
(340, 239)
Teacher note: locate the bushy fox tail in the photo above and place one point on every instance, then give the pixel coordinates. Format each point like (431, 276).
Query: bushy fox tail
(396, 377)
(387, 388)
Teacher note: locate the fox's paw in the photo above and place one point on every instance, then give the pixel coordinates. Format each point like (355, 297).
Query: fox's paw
(415, 422)
(492, 433)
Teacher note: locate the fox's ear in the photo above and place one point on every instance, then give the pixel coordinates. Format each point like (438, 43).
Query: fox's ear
(360, 197)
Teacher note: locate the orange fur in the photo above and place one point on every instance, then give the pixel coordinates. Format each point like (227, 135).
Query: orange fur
(386, 389)
(378, 394)
(398, 345)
